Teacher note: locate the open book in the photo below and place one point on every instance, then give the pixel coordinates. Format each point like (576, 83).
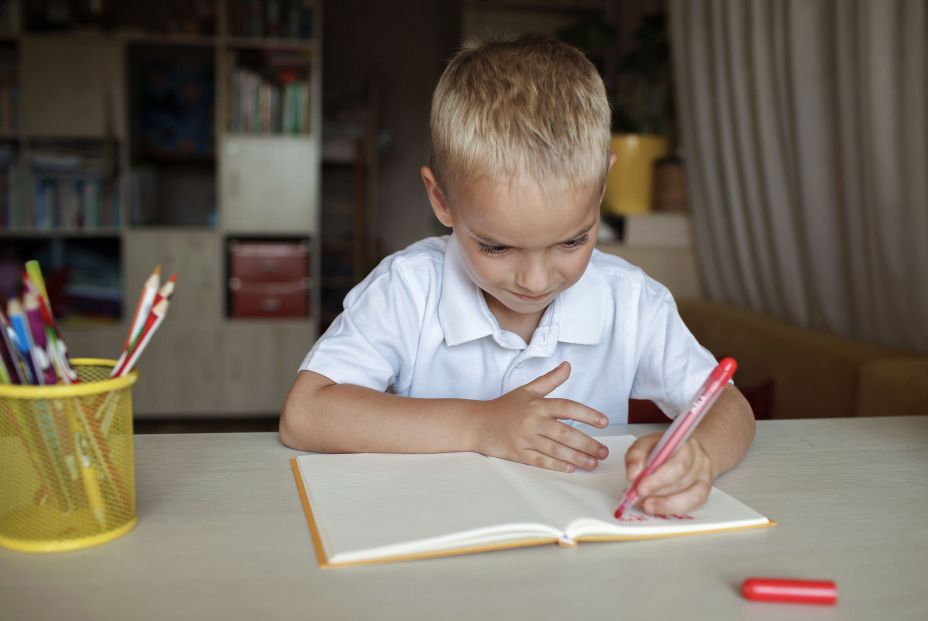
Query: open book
(377, 508)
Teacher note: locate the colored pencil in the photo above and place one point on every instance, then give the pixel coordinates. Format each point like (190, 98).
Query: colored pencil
(142, 311)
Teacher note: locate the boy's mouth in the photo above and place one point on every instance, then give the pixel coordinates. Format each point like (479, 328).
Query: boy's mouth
(530, 298)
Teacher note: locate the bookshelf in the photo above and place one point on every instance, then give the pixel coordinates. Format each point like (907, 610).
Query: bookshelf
(159, 133)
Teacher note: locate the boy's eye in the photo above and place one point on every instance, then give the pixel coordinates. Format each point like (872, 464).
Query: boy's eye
(491, 250)
(576, 243)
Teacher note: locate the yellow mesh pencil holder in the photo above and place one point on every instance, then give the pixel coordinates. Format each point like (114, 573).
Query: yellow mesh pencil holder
(67, 475)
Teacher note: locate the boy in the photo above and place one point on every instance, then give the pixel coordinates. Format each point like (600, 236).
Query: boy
(503, 336)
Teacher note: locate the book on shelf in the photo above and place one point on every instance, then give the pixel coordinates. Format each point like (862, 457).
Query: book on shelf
(72, 189)
(378, 508)
(273, 100)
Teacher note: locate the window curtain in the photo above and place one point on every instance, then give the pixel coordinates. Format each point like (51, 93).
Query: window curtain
(803, 126)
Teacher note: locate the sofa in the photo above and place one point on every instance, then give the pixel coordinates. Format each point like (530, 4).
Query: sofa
(791, 372)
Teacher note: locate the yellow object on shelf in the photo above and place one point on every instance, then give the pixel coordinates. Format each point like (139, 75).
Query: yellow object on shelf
(65, 482)
(629, 184)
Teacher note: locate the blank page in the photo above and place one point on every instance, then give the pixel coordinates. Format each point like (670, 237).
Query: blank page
(365, 502)
(564, 497)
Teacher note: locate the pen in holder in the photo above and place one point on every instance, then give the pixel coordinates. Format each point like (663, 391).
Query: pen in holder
(65, 482)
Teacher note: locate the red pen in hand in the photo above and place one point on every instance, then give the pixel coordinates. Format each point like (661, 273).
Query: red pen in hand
(681, 428)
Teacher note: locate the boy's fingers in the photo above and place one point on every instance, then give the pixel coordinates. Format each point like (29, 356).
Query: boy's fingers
(689, 499)
(574, 439)
(540, 460)
(571, 410)
(665, 487)
(544, 384)
(567, 454)
(637, 453)
(676, 469)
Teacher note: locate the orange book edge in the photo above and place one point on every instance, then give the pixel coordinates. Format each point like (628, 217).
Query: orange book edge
(712, 531)
(323, 558)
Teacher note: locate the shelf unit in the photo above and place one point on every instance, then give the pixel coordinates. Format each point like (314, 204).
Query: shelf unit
(175, 206)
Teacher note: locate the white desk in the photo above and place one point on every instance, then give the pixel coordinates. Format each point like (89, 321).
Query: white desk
(222, 536)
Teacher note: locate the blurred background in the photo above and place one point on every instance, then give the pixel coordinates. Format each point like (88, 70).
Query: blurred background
(771, 172)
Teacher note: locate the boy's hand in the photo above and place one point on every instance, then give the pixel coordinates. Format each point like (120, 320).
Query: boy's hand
(680, 485)
(523, 426)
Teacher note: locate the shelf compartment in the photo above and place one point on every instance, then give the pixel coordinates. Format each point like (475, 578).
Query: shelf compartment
(269, 91)
(73, 185)
(172, 99)
(83, 275)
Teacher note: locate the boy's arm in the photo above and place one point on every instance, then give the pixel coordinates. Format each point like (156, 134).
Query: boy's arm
(320, 415)
(727, 431)
(716, 446)
(522, 425)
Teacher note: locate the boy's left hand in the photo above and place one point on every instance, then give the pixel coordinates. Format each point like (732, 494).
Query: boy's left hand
(680, 485)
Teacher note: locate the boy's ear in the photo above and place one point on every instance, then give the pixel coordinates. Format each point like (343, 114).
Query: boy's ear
(437, 197)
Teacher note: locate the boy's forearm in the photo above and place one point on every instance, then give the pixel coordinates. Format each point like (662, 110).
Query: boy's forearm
(342, 418)
(727, 431)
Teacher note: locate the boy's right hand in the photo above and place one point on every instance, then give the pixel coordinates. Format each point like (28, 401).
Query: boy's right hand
(523, 426)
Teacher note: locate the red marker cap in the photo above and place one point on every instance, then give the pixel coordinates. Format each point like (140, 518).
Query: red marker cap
(789, 590)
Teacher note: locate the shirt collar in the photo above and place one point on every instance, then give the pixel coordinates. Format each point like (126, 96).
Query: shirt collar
(582, 313)
(461, 306)
(577, 315)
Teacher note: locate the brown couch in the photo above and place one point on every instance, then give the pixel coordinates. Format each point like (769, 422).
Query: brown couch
(792, 372)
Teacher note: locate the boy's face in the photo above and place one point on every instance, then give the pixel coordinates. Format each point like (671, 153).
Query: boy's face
(521, 245)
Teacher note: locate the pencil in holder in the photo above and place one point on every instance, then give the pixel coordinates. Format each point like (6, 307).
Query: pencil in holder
(67, 473)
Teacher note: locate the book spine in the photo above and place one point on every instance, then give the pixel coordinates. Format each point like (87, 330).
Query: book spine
(236, 114)
(91, 209)
(304, 108)
(254, 94)
(275, 110)
(66, 208)
(18, 204)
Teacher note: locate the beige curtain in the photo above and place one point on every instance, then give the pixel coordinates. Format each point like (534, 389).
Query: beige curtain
(803, 125)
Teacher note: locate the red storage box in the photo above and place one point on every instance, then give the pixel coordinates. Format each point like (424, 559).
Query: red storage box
(269, 300)
(269, 262)
(268, 279)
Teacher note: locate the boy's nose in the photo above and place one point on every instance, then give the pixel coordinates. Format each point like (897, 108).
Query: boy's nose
(533, 278)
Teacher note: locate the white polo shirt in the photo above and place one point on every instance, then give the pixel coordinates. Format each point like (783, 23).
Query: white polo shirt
(418, 324)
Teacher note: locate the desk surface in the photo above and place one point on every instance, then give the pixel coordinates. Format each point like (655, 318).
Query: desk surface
(222, 535)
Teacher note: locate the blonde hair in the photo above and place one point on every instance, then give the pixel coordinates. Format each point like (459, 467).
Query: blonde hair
(531, 106)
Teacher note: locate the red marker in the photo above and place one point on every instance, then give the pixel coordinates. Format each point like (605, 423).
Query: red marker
(681, 428)
(789, 590)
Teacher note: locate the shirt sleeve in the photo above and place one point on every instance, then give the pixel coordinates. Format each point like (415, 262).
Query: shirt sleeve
(373, 341)
(672, 365)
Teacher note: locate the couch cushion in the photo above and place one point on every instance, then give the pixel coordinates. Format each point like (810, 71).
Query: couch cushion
(893, 387)
(815, 374)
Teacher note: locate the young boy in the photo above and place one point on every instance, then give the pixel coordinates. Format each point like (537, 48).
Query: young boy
(504, 336)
